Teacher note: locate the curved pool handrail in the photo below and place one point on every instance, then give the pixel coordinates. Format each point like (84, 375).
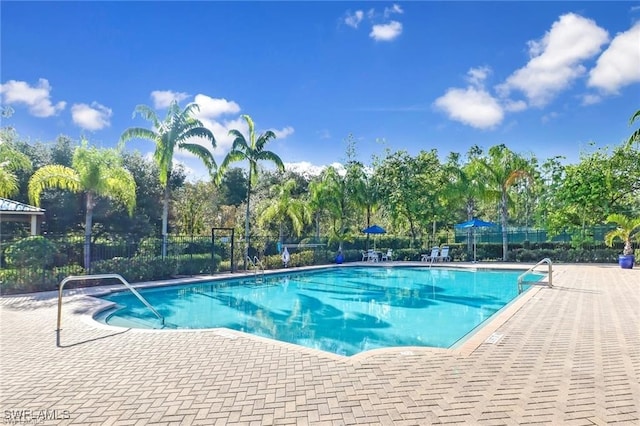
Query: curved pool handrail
(530, 270)
(98, 277)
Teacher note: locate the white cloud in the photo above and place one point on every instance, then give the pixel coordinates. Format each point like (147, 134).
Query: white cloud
(37, 98)
(305, 168)
(215, 107)
(388, 11)
(477, 76)
(619, 65)
(163, 98)
(282, 134)
(514, 106)
(386, 32)
(472, 106)
(353, 20)
(591, 99)
(556, 59)
(91, 117)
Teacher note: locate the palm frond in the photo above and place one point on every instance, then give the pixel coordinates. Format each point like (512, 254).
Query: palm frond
(120, 184)
(202, 153)
(197, 132)
(52, 176)
(147, 113)
(8, 183)
(138, 133)
(263, 139)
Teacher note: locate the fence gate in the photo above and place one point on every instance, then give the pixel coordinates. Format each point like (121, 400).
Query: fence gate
(225, 236)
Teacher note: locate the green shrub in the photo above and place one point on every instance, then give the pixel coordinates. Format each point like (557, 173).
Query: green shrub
(31, 252)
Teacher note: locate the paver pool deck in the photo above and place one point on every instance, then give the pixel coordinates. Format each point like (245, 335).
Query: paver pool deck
(563, 355)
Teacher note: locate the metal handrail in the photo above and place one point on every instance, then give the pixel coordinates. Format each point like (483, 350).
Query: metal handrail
(257, 266)
(530, 270)
(98, 277)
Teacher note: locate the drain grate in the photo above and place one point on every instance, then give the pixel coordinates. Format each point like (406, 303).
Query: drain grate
(494, 338)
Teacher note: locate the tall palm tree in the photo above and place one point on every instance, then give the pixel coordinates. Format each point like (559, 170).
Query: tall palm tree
(503, 168)
(283, 206)
(174, 132)
(253, 151)
(97, 172)
(332, 196)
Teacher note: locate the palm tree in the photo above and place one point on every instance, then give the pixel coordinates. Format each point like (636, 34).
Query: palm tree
(331, 195)
(96, 172)
(174, 132)
(635, 136)
(283, 206)
(11, 160)
(252, 151)
(627, 230)
(503, 168)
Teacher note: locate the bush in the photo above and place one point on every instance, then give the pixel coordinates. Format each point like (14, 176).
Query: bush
(31, 252)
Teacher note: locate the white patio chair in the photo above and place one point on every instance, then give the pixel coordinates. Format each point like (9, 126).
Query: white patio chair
(444, 255)
(372, 255)
(387, 256)
(430, 257)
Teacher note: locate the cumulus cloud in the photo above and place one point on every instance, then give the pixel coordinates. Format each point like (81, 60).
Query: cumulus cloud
(619, 65)
(36, 98)
(556, 59)
(91, 117)
(283, 133)
(212, 115)
(215, 107)
(163, 98)
(354, 19)
(380, 31)
(386, 32)
(473, 106)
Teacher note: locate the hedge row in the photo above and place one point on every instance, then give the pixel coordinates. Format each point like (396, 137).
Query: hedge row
(137, 269)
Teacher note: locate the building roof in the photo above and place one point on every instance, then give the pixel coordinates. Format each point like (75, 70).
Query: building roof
(10, 206)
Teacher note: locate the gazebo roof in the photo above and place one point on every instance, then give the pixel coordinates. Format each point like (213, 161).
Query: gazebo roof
(15, 207)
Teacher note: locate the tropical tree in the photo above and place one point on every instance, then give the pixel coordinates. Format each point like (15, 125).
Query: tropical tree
(627, 230)
(635, 136)
(410, 190)
(11, 160)
(253, 151)
(174, 132)
(284, 206)
(97, 173)
(330, 195)
(503, 168)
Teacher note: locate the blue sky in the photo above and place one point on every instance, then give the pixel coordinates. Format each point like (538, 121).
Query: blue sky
(541, 77)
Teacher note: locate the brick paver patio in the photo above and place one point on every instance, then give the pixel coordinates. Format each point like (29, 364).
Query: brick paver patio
(567, 355)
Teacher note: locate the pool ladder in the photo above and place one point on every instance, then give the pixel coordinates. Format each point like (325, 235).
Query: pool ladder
(530, 270)
(258, 268)
(98, 277)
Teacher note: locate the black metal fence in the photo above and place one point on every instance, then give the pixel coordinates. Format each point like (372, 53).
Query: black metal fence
(43, 265)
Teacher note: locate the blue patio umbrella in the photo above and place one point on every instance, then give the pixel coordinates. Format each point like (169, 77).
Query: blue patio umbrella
(374, 229)
(472, 224)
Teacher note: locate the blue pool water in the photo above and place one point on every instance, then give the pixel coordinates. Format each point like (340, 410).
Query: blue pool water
(340, 310)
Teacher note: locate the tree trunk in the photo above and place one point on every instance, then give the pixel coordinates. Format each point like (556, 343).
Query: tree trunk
(165, 221)
(246, 225)
(504, 213)
(88, 224)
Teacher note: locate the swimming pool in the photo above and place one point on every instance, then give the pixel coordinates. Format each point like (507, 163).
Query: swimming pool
(341, 310)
